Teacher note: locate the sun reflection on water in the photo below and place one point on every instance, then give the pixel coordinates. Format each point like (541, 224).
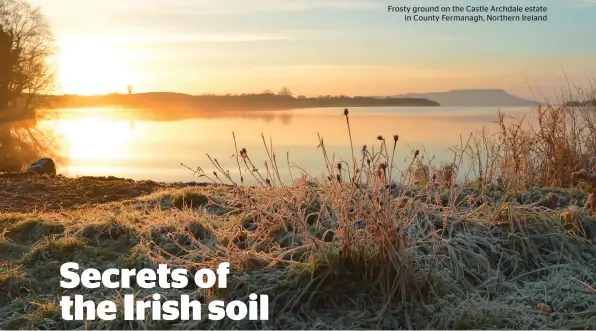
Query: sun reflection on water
(95, 138)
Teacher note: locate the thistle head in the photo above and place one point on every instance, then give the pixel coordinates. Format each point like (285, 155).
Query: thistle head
(346, 112)
(339, 166)
(395, 138)
(380, 137)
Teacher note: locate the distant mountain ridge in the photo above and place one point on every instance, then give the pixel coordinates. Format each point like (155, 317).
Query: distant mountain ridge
(472, 97)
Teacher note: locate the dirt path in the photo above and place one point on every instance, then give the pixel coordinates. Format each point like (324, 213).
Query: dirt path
(23, 193)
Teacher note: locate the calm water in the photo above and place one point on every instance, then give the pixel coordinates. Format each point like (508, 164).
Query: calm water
(102, 142)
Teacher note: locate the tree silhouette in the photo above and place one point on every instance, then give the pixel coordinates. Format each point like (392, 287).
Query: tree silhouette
(26, 78)
(129, 89)
(285, 92)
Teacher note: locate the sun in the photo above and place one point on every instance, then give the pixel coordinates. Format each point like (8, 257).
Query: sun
(86, 68)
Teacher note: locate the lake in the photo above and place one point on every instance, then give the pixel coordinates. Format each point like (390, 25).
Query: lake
(116, 142)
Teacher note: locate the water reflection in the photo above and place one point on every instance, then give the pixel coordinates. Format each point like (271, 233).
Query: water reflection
(118, 113)
(145, 145)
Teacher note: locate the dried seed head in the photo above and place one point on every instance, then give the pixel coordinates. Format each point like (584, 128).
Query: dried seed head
(380, 169)
(416, 153)
(215, 174)
(364, 149)
(346, 112)
(368, 161)
(338, 177)
(383, 165)
(339, 166)
(395, 137)
(268, 181)
(379, 137)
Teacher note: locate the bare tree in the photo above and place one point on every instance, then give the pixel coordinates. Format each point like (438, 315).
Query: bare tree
(285, 92)
(129, 89)
(26, 79)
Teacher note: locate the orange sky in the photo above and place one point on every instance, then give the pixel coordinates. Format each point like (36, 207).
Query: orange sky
(314, 47)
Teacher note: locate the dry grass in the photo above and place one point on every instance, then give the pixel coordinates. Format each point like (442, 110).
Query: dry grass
(543, 151)
(367, 246)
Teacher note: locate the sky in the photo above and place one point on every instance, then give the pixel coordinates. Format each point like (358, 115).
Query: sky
(314, 47)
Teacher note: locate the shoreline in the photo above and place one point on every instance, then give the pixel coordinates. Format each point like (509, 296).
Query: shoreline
(166, 102)
(25, 192)
(43, 193)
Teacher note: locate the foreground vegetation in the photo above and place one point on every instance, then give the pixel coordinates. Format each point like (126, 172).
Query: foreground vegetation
(492, 264)
(511, 244)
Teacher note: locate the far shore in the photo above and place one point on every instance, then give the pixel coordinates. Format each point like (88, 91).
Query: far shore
(245, 102)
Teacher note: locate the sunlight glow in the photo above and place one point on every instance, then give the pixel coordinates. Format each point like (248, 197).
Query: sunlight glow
(86, 70)
(95, 139)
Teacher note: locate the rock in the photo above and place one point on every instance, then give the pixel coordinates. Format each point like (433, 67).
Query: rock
(44, 166)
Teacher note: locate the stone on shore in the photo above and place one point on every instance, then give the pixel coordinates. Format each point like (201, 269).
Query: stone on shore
(43, 166)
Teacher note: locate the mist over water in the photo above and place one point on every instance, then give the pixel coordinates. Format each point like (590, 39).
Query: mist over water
(123, 143)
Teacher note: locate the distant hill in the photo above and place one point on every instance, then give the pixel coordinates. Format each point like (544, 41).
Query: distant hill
(473, 97)
(263, 101)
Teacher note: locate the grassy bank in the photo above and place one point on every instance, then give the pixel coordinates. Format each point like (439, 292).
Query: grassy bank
(486, 264)
(369, 246)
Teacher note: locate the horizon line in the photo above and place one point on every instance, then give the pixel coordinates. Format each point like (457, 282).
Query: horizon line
(268, 91)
